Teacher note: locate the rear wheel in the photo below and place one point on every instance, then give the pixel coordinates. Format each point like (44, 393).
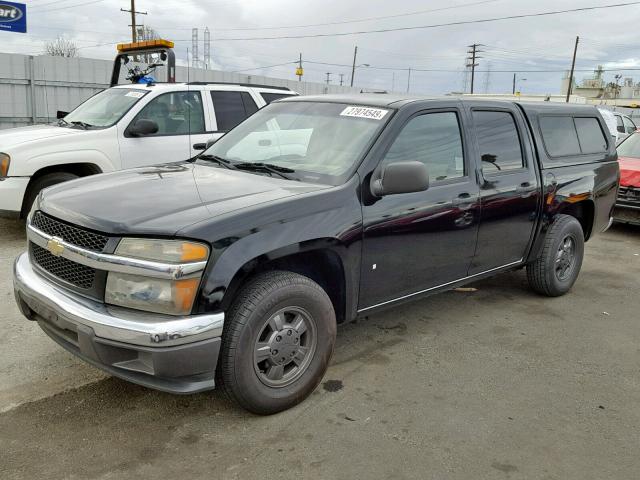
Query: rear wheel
(557, 267)
(40, 183)
(278, 339)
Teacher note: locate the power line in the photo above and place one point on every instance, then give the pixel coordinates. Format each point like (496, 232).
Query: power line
(368, 19)
(437, 25)
(67, 7)
(265, 66)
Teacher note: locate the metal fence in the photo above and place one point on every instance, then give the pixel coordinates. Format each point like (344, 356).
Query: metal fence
(33, 89)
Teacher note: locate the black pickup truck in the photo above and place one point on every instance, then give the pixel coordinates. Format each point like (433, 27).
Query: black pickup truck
(235, 267)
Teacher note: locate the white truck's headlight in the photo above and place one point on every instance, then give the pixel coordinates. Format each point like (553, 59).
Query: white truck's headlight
(174, 297)
(5, 161)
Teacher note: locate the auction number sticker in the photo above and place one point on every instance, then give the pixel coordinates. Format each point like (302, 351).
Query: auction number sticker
(364, 112)
(135, 94)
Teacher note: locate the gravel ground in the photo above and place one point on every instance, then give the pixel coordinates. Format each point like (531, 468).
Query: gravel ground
(497, 383)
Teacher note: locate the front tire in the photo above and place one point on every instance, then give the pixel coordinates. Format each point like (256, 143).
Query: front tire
(557, 267)
(278, 339)
(41, 183)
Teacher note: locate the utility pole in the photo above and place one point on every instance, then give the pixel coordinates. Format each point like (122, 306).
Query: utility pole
(573, 66)
(408, 80)
(513, 91)
(353, 68)
(133, 18)
(194, 48)
(299, 70)
(207, 48)
(341, 79)
(473, 58)
(328, 77)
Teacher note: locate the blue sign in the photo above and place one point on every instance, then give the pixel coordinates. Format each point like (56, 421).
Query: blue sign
(13, 17)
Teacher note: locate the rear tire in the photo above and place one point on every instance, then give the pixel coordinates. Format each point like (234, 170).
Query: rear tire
(40, 183)
(557, 267)
(277, 341)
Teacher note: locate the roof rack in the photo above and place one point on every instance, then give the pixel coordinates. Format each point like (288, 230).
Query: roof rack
(256, 85)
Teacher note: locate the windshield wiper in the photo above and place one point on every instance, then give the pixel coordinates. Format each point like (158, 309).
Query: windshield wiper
(62, 122)
(84, 125)
(266, 167)
(219, 160)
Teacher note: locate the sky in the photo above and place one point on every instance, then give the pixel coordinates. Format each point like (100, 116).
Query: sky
(608, 37)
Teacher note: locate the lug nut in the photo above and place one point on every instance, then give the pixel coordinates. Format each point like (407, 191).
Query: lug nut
(289, 332)
(278, 338)
(274, 352)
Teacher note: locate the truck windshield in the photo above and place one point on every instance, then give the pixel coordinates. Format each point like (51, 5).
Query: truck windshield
(105, 108)
(311, 141)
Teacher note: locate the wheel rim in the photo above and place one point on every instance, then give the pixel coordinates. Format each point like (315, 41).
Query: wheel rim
(284, 347)
(565, 258)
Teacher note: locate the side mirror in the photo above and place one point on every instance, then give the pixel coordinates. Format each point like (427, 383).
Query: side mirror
(199, 146)
(60, 114)
(401, 177)
(621, 129)
(143, 127)
(210, 142)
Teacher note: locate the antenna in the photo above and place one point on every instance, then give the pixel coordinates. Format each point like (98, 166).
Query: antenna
(188, 109)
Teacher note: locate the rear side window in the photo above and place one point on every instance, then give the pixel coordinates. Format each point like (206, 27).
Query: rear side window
(590, 135)
(567, 136)
(272, 97)
(231, 108)
(499, 141)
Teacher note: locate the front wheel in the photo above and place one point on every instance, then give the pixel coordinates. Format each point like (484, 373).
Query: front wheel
(278, 339)
(557, 267)
(41, 183)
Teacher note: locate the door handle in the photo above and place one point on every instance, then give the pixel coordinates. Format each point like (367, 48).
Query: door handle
(462, 199)
(525, 187)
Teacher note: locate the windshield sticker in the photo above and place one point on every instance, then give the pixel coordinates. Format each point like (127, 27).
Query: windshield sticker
(135, 94)
(364, 112)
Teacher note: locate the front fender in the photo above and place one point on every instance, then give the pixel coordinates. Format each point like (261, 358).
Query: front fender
(324, 220)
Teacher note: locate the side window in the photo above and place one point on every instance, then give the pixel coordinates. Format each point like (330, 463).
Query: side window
(628, 125)
(250, 106)
(231, 108)
(272, 97)
(176, 113)
(499, 141)
(620, 123)
(433, 139)
(559, 135)
(590, 135)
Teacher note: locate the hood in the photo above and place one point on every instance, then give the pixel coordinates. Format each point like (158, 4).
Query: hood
(13, 137)
(629, 172)
(163, 199)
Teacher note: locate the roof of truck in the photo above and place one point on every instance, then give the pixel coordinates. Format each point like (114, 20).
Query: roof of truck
(399, 100)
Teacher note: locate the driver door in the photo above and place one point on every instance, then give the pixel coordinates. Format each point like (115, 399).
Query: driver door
(180, 117)
(414, 242)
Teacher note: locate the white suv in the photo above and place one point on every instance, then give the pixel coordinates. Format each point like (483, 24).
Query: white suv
(122, 127)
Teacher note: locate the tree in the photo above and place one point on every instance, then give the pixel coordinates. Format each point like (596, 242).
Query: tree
(61, 47)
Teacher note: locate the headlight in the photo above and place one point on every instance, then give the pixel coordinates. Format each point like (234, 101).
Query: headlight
(174, 297)
(5, 161)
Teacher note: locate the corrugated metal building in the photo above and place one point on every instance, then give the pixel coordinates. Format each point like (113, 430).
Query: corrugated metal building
(33, 89)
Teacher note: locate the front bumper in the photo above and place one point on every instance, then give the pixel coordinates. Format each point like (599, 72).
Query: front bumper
(12, 191)
(173, 354)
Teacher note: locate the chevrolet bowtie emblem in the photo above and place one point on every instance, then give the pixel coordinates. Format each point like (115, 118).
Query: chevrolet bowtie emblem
(55, 246)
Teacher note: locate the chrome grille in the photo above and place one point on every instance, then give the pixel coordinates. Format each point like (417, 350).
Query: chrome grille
(629, 194)
(69, 233)
(78, 275)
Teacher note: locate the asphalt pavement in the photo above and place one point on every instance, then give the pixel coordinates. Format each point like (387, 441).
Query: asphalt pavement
(495, 383)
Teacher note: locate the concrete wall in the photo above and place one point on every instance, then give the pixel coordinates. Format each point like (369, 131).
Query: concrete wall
(33, 89)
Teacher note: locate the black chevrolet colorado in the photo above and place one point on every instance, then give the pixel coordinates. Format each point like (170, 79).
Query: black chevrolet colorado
(234, 268)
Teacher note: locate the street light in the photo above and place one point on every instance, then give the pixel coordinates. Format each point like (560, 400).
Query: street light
(517, 81)
(353, 70)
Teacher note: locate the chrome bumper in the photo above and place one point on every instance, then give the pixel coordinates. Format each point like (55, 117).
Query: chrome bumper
(112, 323)
(172, 354)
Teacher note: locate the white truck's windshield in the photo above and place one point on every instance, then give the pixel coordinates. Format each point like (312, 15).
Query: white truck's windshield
(105, 108)
(313, 141)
